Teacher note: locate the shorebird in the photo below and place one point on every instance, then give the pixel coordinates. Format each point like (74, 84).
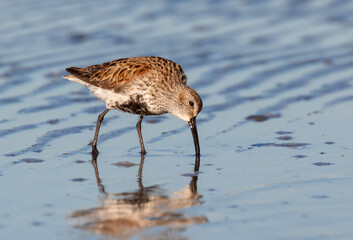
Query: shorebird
(141, 85)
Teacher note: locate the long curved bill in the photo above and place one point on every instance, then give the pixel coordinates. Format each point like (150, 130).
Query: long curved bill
(193, 128)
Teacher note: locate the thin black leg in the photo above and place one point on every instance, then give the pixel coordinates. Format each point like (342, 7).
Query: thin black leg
(138, 127)
(197, 163)
(99, 121)
(140, 171)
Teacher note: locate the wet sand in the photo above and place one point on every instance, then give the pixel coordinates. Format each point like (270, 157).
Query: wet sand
(275, 132)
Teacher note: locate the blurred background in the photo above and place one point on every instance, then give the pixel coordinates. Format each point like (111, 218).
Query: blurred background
(276, 81)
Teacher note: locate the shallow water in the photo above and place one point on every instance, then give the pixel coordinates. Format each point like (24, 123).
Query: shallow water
(276, 80)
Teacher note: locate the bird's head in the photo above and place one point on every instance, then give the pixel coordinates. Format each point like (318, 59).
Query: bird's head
(187, 106)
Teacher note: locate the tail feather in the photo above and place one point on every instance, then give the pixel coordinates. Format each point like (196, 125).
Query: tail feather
(79, 76)
(79, 73)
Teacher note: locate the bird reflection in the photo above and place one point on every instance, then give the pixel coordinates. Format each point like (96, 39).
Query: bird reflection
(126, 214)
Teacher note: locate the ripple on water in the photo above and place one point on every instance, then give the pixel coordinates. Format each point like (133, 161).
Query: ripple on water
(287, 145)
(30, 160)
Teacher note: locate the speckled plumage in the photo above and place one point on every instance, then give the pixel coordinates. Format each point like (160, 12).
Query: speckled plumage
(140, 85)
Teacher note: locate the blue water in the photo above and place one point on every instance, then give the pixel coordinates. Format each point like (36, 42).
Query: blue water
(276, 81)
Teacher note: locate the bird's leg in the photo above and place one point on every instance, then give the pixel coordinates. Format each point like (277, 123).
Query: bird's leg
(99, 121)
(197, 163)
(138, 127)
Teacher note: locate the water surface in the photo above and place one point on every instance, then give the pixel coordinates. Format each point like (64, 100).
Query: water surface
(275, 132)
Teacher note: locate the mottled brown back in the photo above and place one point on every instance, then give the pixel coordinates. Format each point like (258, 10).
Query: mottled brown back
(114, 74)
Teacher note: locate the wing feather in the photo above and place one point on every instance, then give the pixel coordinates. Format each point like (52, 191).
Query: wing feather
(116, 74)
(111, 75)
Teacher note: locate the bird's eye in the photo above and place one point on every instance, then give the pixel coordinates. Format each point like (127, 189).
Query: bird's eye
(191, 103)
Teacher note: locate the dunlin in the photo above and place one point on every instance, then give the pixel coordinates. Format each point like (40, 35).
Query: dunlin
(141, 85)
